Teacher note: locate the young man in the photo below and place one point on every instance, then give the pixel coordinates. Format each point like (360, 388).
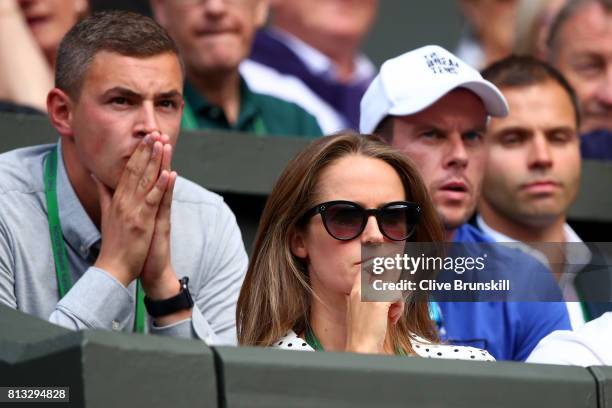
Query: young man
(84, 220)
(532, 173)
(214, 37)
(580, 47)
(434, 108)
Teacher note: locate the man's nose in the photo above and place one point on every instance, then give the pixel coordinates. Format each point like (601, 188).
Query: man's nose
(540, 155)
(215, 7)
(147, 120)
(456, 154)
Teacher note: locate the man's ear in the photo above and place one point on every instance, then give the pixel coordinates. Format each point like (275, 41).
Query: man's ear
(262, 9)
(298, 245)
(157, 7)
(59, 110)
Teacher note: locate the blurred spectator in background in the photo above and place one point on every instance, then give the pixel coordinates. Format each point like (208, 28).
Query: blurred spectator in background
(533, 21)
(214, 36)
(580, 46)
(30, 34)
(532, 176)
(489, 33)
(434, 108)
(310, 55)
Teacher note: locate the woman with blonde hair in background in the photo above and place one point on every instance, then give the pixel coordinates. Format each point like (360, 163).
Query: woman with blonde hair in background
(302, 289)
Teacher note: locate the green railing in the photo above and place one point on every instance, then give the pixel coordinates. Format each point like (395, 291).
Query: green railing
(108, 369)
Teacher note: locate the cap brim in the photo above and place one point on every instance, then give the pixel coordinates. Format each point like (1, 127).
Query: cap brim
(493, 100)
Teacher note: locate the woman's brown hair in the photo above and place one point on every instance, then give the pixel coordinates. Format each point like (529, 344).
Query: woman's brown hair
(276, 293)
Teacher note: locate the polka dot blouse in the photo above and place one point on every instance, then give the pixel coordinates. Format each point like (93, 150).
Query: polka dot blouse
(421, 347)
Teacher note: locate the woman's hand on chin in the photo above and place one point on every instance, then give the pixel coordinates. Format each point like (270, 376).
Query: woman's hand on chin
(367, 322)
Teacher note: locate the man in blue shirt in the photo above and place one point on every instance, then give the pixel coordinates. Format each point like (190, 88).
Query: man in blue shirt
(434, 108)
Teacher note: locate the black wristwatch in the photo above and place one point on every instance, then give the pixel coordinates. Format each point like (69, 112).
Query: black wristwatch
(182, 301)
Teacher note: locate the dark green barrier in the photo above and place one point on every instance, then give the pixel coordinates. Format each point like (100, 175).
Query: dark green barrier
(273, 378)
(603, 375)
(106, 369)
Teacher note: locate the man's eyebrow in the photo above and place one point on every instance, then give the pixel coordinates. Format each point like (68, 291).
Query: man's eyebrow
(566, 129)
(170, 94)
(119, 90)
(122, 91)
(512, 129)
(481, 129)
(429, 126)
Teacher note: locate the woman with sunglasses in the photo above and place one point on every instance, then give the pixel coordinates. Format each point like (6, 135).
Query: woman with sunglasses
(302, 288)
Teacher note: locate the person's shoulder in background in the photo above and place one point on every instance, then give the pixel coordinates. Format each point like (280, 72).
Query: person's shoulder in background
(266, 80)
(284, 118)
(10, 107)
(596, 145)
(590, 345)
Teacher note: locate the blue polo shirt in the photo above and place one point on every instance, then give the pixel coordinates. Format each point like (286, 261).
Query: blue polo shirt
(507, 330)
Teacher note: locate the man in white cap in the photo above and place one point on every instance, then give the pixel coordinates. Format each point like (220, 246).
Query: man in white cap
(434, 107)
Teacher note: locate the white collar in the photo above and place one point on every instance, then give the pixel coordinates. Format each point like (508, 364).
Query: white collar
(568, 232)
(499, 237)
(319, 63)
(577, 255)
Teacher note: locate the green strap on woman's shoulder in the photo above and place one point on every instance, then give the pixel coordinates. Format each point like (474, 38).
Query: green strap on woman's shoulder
(312, 340)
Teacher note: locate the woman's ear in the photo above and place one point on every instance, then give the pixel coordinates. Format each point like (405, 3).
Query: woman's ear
(298, 244)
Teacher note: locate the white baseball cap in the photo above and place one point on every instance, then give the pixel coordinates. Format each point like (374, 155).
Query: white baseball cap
(415, 80)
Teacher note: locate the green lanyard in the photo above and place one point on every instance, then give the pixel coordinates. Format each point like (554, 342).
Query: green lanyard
(190, 121)
(64, 281)
(583, 307)
(314, 342)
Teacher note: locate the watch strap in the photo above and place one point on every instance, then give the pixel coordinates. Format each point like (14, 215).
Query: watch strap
(182, 301)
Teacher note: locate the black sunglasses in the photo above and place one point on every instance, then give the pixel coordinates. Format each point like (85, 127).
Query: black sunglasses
(346, 220)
